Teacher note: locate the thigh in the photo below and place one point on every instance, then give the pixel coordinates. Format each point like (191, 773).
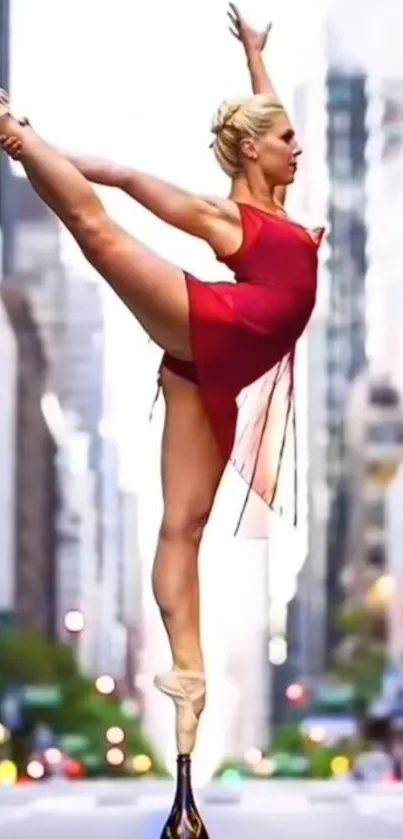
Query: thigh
(192, 463)
(151, 287)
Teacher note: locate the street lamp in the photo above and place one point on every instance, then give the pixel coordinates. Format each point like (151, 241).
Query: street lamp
(115, 756)
(105, 685)
(115, 735)
(74, 621)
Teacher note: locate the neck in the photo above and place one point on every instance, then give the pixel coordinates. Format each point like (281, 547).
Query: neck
(254, 190)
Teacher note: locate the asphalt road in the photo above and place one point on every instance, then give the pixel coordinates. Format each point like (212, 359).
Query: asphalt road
(129, 810)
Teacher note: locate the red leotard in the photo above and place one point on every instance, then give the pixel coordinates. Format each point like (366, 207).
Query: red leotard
(243, 340)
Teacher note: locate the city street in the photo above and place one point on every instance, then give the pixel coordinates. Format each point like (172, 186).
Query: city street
(130, 810)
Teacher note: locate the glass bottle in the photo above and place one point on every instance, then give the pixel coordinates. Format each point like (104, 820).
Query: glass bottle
(184, 820)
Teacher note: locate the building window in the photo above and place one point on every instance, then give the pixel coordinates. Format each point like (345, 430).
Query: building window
(384, 395)
(341, 167)
(376, 557)
(390, 434)
(340, 122)
(339, 91)
(341, 147)
(375, 515)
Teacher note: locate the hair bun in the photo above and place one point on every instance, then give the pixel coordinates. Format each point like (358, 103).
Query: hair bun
(225, 115)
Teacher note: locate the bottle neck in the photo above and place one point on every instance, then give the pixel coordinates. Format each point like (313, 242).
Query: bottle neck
(184, 779)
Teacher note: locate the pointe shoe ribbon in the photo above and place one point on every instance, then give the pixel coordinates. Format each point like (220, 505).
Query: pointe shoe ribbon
(186, 688)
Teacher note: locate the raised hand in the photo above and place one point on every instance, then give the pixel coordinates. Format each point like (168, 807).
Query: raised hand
(251, 40)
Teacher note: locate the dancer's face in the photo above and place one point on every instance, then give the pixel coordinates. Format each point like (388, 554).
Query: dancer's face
(276, 153)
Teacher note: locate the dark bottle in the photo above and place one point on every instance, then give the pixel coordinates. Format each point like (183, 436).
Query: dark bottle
(184, 820)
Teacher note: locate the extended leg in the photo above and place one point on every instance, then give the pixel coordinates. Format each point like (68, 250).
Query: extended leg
(153, 289)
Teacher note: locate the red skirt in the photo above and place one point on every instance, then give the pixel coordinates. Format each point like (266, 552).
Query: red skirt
(243, 345)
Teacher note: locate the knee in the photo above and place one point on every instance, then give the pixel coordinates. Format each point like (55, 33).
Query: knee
(184, 527)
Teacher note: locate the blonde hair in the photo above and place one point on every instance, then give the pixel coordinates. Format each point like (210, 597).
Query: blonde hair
(238, 119)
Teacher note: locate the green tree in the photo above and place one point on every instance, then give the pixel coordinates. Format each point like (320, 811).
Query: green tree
(288, 738)
(96, 714)
(29, 659)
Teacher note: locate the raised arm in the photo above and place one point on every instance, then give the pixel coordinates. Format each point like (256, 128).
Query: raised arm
(254, 43)
(213, 219)
(191, 213)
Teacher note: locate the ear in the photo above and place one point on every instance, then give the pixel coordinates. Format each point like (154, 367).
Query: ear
(248, 148)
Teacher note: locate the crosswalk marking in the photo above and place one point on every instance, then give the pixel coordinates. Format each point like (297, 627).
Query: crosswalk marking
(63, 804)
(385, 804)
(154, 802)
(287, 804)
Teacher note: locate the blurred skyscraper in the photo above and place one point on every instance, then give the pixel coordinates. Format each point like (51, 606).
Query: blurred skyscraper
(4, 82)
(27, 261)
(31, 566)
(357, 322)
(331, 116)
(67, 304)
(345, 354)
(374, 448)
(68, 311)
(8, 448)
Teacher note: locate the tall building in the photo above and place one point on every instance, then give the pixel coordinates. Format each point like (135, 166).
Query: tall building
(77, 558)
(84, 352)
(332, 122)
(4, 82)
(8, 450)
(365, 69)
(36, 491)
(8, 378)
(113, 633)
(130, 587)
(4, 42)
(345, 347)
(374, 443)
(308, 613)
(82, 397)
(31, 258)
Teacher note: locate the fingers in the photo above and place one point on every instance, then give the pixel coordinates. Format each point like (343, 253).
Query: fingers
(235, 11)
(234, 33)
(233, 21)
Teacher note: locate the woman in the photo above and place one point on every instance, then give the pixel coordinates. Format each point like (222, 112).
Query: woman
(219, 339)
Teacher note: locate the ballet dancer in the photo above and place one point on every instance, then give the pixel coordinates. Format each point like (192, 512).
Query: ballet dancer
(219, 339)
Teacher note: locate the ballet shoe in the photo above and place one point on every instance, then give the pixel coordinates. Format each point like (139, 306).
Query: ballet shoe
(186, 688)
